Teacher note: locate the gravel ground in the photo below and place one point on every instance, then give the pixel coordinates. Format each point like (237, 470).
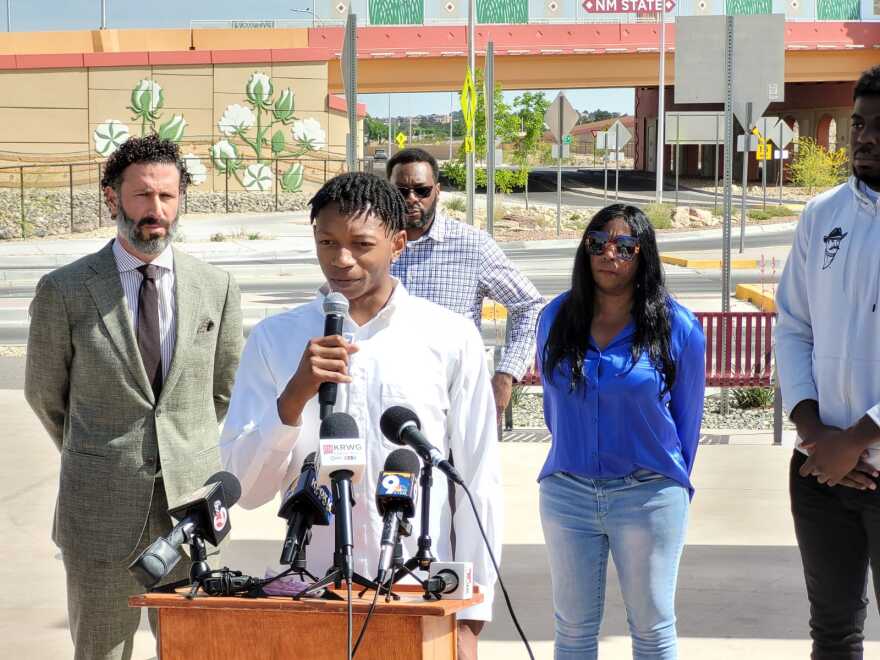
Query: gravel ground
(528, 412)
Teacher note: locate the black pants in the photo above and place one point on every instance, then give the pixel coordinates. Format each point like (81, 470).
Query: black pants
(838, 532)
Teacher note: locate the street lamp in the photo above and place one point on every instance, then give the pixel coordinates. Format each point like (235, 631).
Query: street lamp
(9, 15)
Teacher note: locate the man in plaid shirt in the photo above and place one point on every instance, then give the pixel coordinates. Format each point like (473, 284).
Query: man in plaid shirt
(455, 265)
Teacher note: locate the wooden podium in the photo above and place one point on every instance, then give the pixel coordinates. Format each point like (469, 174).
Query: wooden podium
(217, 628)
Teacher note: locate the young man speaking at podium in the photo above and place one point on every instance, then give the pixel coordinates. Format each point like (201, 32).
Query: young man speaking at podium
(395, 349)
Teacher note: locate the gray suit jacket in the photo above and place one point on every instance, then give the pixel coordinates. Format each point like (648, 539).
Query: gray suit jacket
(86, 382)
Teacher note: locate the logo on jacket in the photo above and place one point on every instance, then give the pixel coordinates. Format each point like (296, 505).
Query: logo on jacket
(832, 245)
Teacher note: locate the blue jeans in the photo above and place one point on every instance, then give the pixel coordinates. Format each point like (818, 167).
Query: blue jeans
(642, 519)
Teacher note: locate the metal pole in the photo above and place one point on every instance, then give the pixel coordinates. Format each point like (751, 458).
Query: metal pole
(677, 153)
(9, 15)
(616, 161)
(661, 105)
(21, 201)
(747, 142)
(764, 170)
(559, 169)
(728, 201)
(70, 180)
(103, 14)
(472, 67)
(100, 192)
(227, 185)
(605, 159)
(715, 202)
(451, 105)
(781, 162)
(490, 139)
(276, 184)
(389, 127)
(351, 92)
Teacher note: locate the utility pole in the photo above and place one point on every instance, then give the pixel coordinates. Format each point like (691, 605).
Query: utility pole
(661, 106)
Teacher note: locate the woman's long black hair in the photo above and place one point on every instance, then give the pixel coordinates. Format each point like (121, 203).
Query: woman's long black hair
(570, 332)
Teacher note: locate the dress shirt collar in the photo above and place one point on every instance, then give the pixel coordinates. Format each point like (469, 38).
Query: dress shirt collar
(126, 261)
(399, 298)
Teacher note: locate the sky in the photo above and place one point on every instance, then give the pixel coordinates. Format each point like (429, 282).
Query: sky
(50, 15)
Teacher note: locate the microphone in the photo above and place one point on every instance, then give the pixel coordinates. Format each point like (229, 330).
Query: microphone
(402, 427)
(335, 309)
(395, 499)
(304, 504)
(204, 515)
(343, 456)
(454, 579)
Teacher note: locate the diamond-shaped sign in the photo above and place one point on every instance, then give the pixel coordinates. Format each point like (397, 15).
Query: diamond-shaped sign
(560, 125)
(775, 130)
(617, 136)
(400, 138)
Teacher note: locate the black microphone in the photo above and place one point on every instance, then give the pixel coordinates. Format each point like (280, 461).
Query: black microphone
(395, 499)
(343, 456)
(304, 504)
(203, 516)
(402, 427)
(335, 309)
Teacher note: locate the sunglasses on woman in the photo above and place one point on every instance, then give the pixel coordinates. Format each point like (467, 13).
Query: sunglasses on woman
(421, 192)
(625, 247)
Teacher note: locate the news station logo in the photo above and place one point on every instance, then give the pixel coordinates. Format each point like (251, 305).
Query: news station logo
(396, 483)
(221, 516)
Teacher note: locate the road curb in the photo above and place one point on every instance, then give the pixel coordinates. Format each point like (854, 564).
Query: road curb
(687, 262)
(757, 295)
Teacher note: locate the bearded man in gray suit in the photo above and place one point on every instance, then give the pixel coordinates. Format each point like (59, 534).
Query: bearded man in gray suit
(131, 358)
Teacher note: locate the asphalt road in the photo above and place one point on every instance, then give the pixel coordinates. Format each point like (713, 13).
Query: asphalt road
(585, 187)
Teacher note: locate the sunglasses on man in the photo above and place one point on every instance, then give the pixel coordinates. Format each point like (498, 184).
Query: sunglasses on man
(625, 247)
(421, 192)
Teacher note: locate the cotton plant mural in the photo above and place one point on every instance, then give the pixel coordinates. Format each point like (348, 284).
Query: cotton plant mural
(254, 133)
(261, 129)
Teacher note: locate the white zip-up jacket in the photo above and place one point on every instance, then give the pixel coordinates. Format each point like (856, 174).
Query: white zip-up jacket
(828, 301)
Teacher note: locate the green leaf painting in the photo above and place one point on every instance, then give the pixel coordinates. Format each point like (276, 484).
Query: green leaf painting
(838, 10)
(748, 7)
(397, 12)
(502, 11)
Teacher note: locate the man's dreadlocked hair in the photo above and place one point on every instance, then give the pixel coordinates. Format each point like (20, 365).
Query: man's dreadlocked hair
(148, 149)
(356, 193)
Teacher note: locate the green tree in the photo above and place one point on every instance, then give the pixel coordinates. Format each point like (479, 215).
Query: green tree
(377, 130)
(528, 144)
(503, 123)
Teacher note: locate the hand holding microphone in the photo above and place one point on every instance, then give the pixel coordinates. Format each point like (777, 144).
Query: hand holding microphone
(323, 366)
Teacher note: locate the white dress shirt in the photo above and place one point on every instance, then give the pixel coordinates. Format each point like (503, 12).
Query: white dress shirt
(131, 279)
(412, 353)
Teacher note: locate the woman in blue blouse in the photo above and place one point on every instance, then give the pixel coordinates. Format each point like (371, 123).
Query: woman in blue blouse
(622, 365)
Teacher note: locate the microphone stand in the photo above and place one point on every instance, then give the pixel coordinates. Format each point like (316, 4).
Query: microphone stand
(298, 566)
(342, 568)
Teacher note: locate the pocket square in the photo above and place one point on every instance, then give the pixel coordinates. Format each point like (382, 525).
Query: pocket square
(206, 326)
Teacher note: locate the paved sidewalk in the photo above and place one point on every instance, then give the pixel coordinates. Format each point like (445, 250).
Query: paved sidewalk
(740, 588)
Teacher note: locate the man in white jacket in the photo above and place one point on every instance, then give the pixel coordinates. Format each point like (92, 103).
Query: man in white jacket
(828, 355)
(395, 349)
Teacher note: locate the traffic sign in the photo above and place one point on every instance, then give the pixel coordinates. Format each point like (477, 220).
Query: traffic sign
(566, 139)
(400, 138)
(775, 130)
(560, 124)
(627, 6)
(617, 136)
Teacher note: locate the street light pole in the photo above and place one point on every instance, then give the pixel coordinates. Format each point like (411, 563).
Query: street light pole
(470, 180)
(9, 15)
(103, 14)
(661, 105)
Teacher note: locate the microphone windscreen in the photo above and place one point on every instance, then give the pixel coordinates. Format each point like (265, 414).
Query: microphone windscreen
(402, 460)
(309, 461)
(335, 303)
(338, 425)
(231, 485)
(395, 417)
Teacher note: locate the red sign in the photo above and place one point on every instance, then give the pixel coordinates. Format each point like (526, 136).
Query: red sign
(627, 6)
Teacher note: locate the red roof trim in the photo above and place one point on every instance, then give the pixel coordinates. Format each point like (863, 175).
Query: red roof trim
(166, 58)
(300, 55)
(115, 59)
(65, 61)
(251, 56)
(338, 103)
